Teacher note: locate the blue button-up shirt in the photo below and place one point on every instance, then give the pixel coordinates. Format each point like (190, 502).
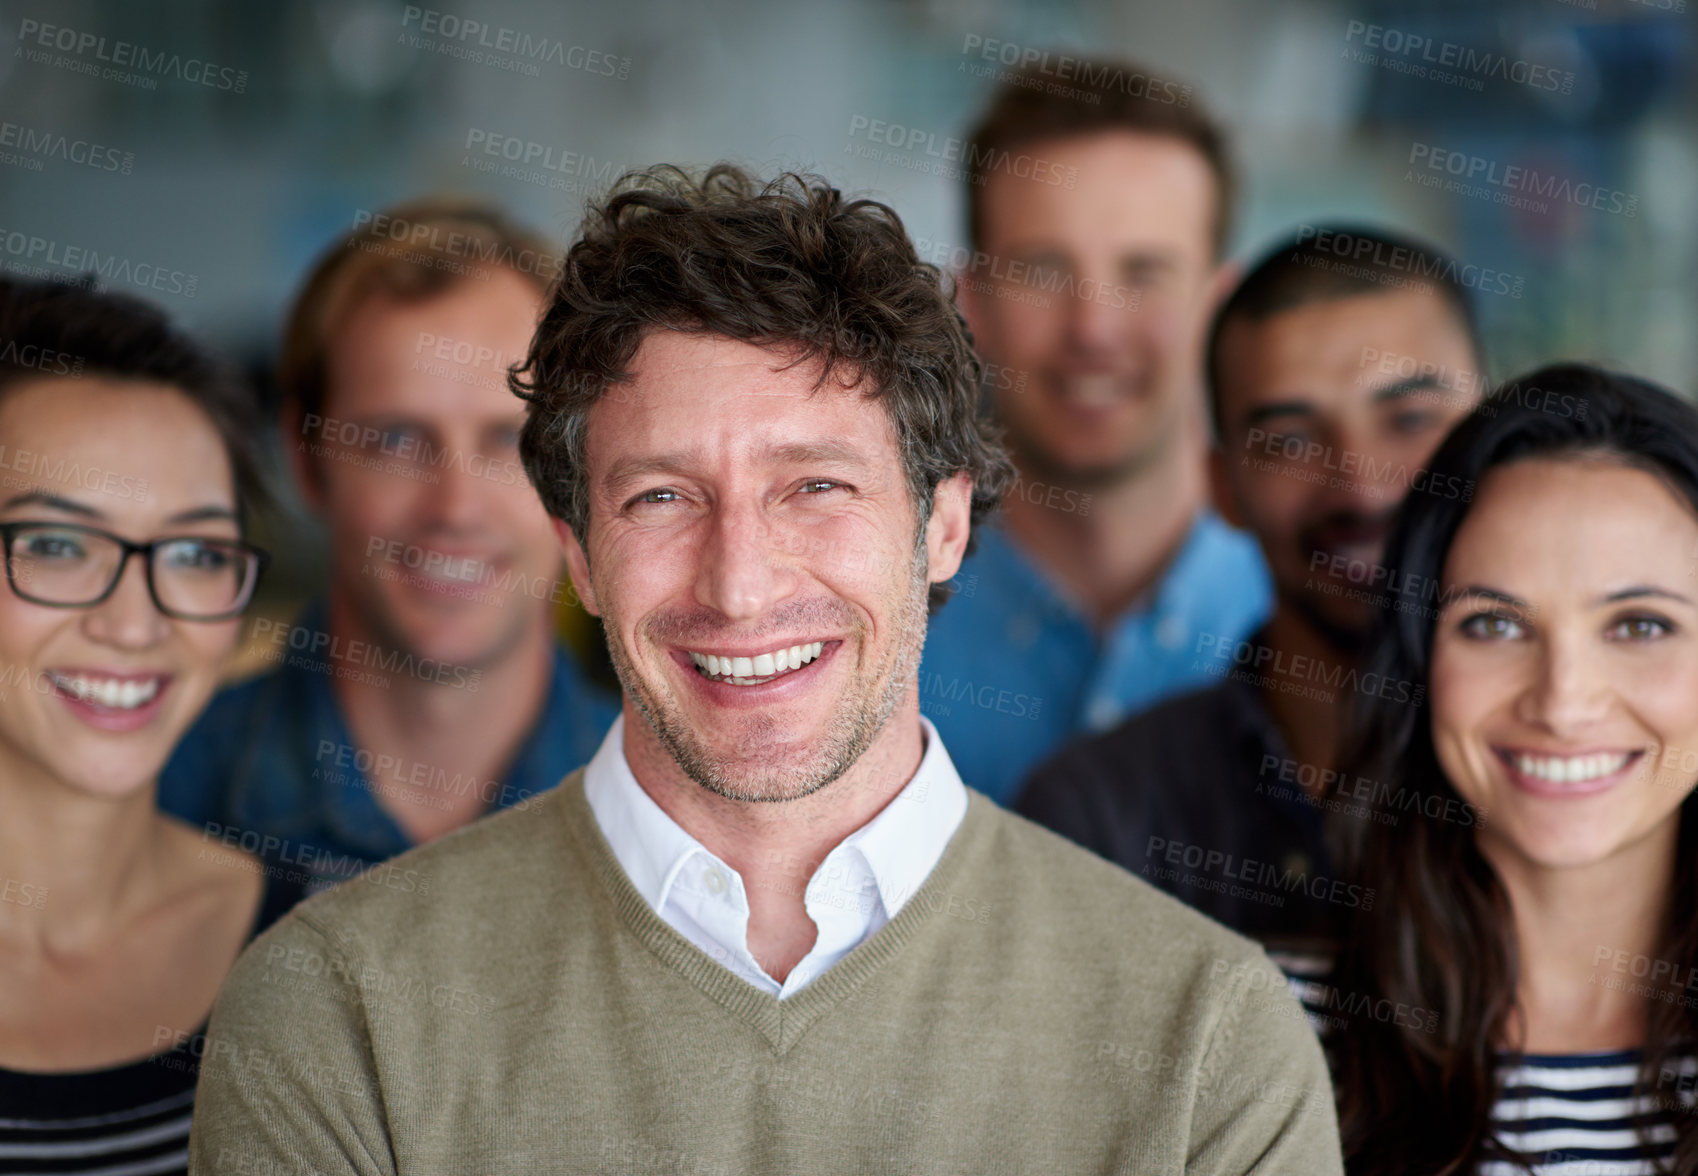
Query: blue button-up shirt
(1012, 668)
(271, 766)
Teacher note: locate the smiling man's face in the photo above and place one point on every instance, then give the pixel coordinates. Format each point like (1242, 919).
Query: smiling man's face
(1319, 447)
(756, 557)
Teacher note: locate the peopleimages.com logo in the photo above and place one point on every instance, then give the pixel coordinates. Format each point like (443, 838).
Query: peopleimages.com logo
(74, 43)
(1448, 62)
(452, 35)
(1400, 266)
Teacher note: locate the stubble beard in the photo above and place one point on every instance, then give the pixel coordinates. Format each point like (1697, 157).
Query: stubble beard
(779, 775)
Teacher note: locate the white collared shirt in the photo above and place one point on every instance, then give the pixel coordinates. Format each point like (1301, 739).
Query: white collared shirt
(857, 889)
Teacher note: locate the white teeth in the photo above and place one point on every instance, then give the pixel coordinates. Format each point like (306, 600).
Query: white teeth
(117, 694)
(763, 667)
(1571, 769)
(457, 571)
(1094, 391)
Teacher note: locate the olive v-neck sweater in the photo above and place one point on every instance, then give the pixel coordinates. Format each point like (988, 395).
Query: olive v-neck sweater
(502, 1001)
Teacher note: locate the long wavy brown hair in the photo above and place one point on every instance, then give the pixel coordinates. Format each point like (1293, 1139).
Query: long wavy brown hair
(1442, 936)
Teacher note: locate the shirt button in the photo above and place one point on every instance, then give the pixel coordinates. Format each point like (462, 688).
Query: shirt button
(715, 880)
(1170, 632)
(1023, 632)
(1297, 863)
(1102, 713)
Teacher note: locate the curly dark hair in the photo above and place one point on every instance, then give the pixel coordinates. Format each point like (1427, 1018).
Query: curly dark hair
(788, 263)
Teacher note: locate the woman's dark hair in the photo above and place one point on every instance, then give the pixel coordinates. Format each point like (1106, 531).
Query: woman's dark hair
(50, 330)
(789, 263)
(1442, 936)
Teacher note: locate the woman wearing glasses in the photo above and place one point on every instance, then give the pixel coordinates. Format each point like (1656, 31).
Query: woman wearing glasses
(125, 463)
(1523, 995)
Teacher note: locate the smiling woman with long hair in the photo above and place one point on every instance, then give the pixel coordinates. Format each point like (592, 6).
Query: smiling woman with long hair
(1546, 595)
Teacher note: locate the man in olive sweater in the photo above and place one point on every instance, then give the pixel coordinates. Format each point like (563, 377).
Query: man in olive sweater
(767, 929)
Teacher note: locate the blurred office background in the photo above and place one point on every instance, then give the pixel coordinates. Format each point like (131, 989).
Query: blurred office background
(346, 106)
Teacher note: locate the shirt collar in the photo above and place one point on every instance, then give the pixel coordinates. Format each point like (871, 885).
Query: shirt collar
(650, 846)
(907, 836)
(1190, 578)
(346, 802)
(900, 844)
(1192, 582)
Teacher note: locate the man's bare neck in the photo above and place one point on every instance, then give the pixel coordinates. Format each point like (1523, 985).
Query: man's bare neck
(1109, 555)
(432, 730)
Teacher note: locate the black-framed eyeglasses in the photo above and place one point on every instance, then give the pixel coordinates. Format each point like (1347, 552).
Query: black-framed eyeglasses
(190, 577)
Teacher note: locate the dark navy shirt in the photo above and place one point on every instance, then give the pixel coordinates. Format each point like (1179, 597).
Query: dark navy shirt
(272, 768)
(1199, 797)
(1013, 668)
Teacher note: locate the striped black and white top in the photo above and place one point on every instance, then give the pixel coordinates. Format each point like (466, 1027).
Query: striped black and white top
(1576, 1113)
(129, 1120)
